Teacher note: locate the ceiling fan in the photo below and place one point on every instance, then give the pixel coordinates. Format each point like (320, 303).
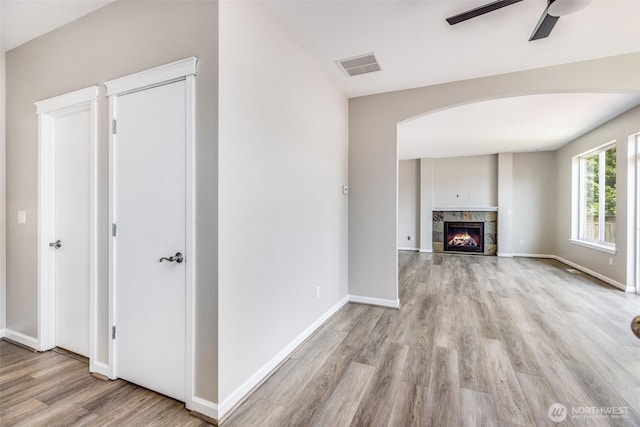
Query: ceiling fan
(554, 10)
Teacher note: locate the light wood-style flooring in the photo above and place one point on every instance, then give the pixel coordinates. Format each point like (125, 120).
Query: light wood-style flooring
(55, 389)
(478, 341)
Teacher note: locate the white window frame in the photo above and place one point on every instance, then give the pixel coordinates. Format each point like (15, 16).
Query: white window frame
(578, 208)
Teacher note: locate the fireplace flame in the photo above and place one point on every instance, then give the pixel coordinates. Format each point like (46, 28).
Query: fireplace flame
(463, 239)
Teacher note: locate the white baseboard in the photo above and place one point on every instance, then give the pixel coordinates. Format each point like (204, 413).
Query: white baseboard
(204, 407)
(21, 338)
(581, 268)
(375, 301)
(596, 275)
(521, 255)
(426, 251)
(256, 379)
(409, 249)
(2, 333)
(99, 368)
(504, 255)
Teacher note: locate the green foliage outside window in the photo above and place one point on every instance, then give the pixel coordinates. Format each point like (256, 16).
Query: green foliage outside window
(595, 227)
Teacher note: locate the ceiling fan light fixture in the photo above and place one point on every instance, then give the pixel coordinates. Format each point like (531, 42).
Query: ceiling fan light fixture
(566, 7)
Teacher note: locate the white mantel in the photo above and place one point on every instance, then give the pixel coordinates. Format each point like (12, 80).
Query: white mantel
(466, 208)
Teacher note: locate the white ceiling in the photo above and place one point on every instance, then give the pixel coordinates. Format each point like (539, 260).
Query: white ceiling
(24, 20)
(520, 124)
(416, 47)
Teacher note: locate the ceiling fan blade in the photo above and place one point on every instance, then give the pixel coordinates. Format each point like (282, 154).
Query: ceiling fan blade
(544, 27)
(490, 7)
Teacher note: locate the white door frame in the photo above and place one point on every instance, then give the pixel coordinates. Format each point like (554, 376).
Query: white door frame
(48, 110)
(176, 71)
(633, 214)
(632, 279)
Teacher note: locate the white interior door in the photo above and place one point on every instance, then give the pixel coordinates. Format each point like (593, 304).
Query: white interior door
(149, 213)
(72, 163)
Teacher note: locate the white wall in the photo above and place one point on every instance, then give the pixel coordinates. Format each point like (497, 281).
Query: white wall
(470, 181)
(283, 217)
(409, 204)
(505, 204)
(618, 129)
(426, 205)
(534, 203)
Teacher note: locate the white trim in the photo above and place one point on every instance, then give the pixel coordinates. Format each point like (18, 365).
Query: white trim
(204, 407)
(504, 255)
(596, 275)
(465, 209)
(578, 208)
(2, 333)
(94, 365)
(374, 301)
(596, 246)
(632, 210)
(426, 251)
(256, 379)
(99, 368)
(409, 249)
(176, 71)
(68, 100)
(20, 338)
(524, 255)
(155, 76)
(111, 320)
(190, 240)
(602, 277)
(48, 110)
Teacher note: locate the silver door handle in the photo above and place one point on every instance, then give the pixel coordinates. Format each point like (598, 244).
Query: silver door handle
(57, 244)
(176, 258)
(635, 326)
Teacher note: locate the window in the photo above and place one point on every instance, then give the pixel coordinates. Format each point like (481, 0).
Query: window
(597, 197)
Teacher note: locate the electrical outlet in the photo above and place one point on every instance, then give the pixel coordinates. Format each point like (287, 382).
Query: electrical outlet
(610, 261)
(317, 292)
(22, 217)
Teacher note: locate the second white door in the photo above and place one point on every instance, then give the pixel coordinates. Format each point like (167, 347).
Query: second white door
(71, 158)
(150, 217)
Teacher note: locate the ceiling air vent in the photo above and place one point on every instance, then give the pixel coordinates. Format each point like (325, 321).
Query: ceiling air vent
(359, 64)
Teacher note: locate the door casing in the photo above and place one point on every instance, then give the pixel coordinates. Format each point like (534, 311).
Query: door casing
(179, 70)
(48, 110)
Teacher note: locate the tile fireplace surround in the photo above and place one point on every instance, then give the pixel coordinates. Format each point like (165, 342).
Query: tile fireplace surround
(489, 218)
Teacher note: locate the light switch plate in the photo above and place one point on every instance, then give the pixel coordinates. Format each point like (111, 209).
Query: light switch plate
(22, 217)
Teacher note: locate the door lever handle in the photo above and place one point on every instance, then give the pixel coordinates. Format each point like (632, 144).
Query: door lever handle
(57, 244)
(635, 326)
(178, 257)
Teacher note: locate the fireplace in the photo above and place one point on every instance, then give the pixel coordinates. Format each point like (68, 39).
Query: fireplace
(464, 237)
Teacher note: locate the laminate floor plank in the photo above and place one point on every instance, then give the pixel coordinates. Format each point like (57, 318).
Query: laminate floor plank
(511, 405)
(478, 409)
(540, 397)
(443, 399)
(376, 407)
(343, 402)
(258, 413)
